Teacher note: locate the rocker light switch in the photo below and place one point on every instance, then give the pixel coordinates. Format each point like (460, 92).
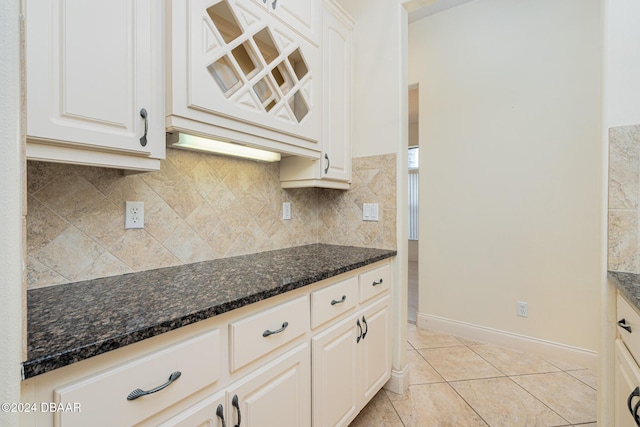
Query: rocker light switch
(370, 212)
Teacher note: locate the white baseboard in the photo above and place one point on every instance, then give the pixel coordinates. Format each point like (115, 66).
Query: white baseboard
(546, 349)
(399, 381)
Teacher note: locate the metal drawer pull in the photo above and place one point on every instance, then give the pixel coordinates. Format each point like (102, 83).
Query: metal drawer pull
(360, 333)
(634, 393)
(220, 414)
(635, 413)
(268, 332)
(139, 393)
(143, 140)
(235, 404)
(343, 299)
(273, 5)
(364, 322)
(326, 156)
(377, 283)
(623, 324)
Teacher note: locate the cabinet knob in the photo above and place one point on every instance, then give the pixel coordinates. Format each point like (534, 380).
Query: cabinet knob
(139, 393)
(623, 324)
(143, 139)
(220, 414)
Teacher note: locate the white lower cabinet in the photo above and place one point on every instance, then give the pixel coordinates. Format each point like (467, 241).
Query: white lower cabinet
(209, 412)
(627, 390)
(351, 362)
(266, 364)
(278, 394)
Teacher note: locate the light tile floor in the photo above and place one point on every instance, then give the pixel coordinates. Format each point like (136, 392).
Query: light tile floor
(458, 382)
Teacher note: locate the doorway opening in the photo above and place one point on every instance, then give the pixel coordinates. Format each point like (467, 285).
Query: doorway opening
(413, 205)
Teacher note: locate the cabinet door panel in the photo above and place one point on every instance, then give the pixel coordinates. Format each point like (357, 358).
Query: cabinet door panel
(336, 128)
(375, 348)
(335, 374)
(237, 70)
(278, 394)
(627, 379)
(201, 414)
(88, 73)
(300, 15)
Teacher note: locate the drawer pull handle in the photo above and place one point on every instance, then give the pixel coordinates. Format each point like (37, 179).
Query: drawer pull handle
(364, 322)
(143, 139)
(273, 5)
(377, 283)
(220, 414)
(635, 413)
(235, 404)
(326, 156)
(360, 333)
(343, 299)
(139, 393)
(268, 332)
(623, 324)
(634, 393)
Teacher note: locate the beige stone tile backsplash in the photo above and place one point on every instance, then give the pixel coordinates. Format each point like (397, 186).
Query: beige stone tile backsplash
(624, 189)
(197, 207)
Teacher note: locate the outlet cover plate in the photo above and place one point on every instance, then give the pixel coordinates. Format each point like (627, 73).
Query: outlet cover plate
(522, 309)
(134, 215)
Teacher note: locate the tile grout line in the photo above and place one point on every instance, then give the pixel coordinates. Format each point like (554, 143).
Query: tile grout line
(504, 375)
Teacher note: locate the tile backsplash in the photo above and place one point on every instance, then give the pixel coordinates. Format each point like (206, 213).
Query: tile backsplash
(197, 207)
(624, 189)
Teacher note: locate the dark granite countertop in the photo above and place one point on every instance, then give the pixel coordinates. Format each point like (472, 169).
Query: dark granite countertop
(72, 322)
(629, 286)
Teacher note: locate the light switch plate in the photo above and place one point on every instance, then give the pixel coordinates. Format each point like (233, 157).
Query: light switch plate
(286, 210)
(370, 212)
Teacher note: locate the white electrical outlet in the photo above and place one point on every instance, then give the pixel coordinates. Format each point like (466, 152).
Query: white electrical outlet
(134, 215)
(522, 309)
(370, 212)
(286, 210)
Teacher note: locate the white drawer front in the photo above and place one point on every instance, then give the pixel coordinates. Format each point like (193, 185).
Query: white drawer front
(263, 332)
(334, 300)
(102, 396)
(631, 320)
(375, 282)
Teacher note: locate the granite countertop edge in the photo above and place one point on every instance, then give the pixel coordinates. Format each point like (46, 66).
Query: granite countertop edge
(629, 286)
(41, 364)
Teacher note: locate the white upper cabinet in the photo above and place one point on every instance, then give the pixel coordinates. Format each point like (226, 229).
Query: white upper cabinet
(238, 73)
(333, 169)
(300, 15)
(95, 82)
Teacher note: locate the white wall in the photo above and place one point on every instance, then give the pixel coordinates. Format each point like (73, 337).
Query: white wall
(622, 65)
(11, 172)
(378, 75)
(511, 166)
